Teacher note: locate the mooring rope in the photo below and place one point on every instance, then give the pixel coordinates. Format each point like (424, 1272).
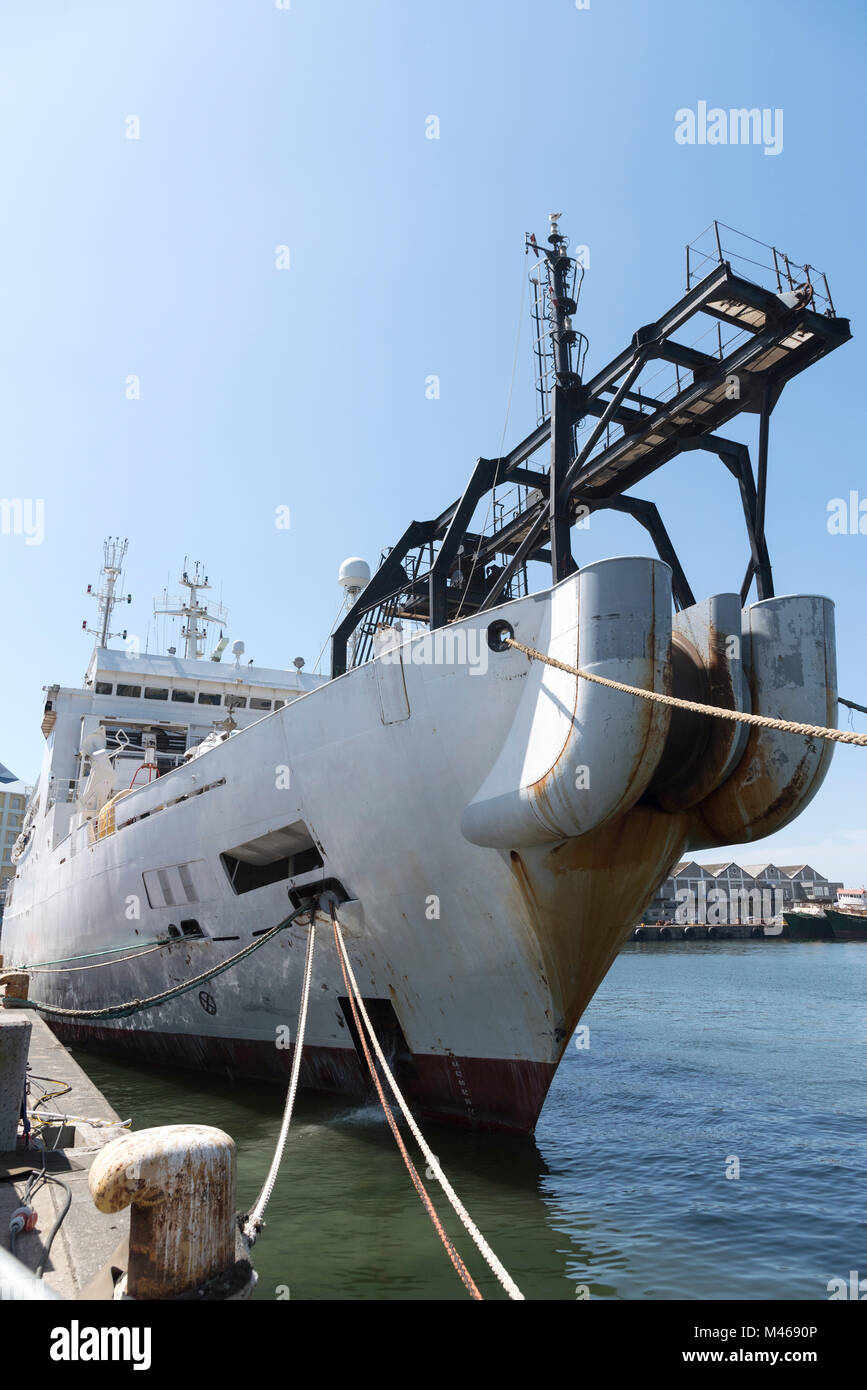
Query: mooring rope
(134, 1006)
(764, 721)
(65, 969)
(355, 1002)
(253, 1223)
(496, 1267)
(137, 946)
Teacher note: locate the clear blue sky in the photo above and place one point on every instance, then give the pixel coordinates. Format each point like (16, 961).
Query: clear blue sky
(305, 127)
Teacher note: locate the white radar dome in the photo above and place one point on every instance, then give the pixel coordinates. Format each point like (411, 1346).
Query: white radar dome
(354, 574)
(237, 648)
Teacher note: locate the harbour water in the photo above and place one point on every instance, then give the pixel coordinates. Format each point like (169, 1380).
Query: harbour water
(699, 1054)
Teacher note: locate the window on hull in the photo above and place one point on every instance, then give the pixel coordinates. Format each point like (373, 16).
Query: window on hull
(271, 858)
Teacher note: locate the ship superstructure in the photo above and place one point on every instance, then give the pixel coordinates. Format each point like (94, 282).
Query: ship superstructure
(490, 827)
(140, 715)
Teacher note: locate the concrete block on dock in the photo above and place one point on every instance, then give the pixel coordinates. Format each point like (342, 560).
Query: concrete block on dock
(14, 984)
(14, 1047)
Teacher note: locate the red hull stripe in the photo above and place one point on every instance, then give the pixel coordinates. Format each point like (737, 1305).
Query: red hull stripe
(471, 1092)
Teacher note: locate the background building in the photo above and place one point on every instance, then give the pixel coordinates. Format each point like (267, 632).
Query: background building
(14, 796)
(736, 892)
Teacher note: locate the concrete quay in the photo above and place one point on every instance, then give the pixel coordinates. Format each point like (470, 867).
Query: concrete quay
(86, 1237)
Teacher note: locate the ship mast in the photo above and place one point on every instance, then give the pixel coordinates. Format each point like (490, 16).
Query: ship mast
(193, 611)
(113, 552)
(557, 382)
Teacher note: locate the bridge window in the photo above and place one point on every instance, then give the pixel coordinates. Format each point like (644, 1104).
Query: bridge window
(132, 692)
(184, 697)
(103, 688)
(256, 703)
(205, 698)
(153, 693)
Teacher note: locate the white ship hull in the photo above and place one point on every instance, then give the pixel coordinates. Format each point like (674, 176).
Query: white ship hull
(502, 824)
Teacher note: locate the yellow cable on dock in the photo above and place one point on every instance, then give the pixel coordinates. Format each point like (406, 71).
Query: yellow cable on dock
(764, 721)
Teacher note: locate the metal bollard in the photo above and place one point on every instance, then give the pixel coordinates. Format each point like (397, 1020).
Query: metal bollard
(179, 1181)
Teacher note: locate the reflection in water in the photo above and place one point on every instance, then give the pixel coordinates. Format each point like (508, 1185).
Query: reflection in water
(700, 1053)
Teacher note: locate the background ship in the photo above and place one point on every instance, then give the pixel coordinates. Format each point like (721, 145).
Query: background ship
(490, 827)
(847, 925)
(845, 921)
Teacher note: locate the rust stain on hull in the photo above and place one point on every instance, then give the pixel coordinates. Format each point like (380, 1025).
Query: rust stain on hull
(750, 805)
(594, 889)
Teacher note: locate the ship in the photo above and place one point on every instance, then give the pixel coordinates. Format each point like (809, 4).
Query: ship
(845, 921)
(848, 916)
(486, 826)
(809, 924)
(847, 925)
